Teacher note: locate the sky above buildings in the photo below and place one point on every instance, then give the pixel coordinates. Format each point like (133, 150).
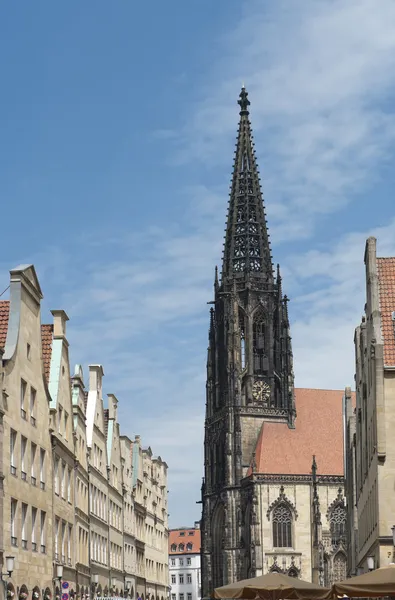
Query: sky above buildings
(118, 122)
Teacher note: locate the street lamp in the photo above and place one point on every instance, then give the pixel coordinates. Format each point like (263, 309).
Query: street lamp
(95, 581)
(9, 565)
(370, 561)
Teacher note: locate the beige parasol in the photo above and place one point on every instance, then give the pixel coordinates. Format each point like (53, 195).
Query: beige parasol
(273, 586)
(374, 584)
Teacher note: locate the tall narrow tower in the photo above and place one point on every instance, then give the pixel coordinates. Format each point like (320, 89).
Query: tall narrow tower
(249, 365)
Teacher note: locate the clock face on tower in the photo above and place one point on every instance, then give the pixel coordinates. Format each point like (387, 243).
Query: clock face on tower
(261, 391)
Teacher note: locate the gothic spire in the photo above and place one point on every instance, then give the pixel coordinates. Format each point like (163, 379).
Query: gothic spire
(247, 247)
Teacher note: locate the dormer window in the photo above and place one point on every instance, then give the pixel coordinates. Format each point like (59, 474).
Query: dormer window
(189, 546)
(182, 533)
(181, 547)
(173, 548)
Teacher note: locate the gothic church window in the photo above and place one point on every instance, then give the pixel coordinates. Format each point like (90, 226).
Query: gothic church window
(242, 340)
(339, 567)
(282, 527)
(337, 521)
(259, 342)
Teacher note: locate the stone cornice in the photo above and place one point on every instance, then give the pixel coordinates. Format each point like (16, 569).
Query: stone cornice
(303, 479)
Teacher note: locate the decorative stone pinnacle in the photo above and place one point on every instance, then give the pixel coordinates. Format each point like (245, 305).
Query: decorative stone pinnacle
(243, 101)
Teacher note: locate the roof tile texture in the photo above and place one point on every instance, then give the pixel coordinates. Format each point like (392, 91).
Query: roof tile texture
(184, 536)
(318, 430)
(386, 275)
(46, 341)
(4, 315)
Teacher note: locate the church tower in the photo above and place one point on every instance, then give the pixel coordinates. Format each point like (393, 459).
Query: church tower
(249, 366)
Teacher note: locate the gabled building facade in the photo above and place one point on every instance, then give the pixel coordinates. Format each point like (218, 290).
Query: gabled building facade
(27, 453)
(156, 526)
(96, 440)
(369, 426)
(115, 497)
(81, 486)
(272, 498)
(67, 516)
(140, 509)
(129, 520)
(63, 453)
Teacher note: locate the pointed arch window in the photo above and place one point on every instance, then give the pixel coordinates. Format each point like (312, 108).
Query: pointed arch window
(282, 526)
(339, 567)
(259, 342)
(337, 520)
(242, 340)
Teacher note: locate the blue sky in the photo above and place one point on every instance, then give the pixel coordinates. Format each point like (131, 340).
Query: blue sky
(118, 123)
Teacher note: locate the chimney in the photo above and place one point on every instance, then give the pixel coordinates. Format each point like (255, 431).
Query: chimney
(96, 375)
(112, 407)
(59, 323)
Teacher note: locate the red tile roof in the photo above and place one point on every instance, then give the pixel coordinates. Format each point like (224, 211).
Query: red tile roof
(318, 430)
(46, 341)
(184, 537)
(4, 315)
(386, 275)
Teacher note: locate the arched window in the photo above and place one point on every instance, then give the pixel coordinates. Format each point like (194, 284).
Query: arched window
(242, 325)
(189, 546)
(181, 547)
(282, 526)
(258, 342)
(293, 573)
(173, 548)
(337, 520)
(217, 524)
(339, 567)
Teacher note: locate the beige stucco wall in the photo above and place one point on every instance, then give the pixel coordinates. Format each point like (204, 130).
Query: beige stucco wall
(299, 497)
(32, 568)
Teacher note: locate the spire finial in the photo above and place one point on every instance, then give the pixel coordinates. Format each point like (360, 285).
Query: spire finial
(243, 101)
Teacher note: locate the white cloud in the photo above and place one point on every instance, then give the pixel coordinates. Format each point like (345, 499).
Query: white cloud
(317, 73)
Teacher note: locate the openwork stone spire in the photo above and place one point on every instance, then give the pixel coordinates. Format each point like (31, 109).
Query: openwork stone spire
(247, 247)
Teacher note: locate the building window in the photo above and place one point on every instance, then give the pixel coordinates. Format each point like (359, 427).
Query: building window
(181, 578)
(189, 596)
(189, 546)
(181, 596)
(60, 418)
(33, 406)
(337, 520)
(23, 457)
(69, 545)
(188, 560)
(173, 548)
(181, 547)
(28, 348)
(63, 548)
(57, 476)
(258, 342)
(33, 464)
(173, 562)
(63, 480)
(12, 451)
(24, 532)
(23, 399)
(14, 507)
(282, 527)
(173, 597)
(189, 578)
(34, 520)
(181, 561)
(42, 468)
(69, 485)
(173, 579)
(57, 523)
(42, 531)
(66, 420)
